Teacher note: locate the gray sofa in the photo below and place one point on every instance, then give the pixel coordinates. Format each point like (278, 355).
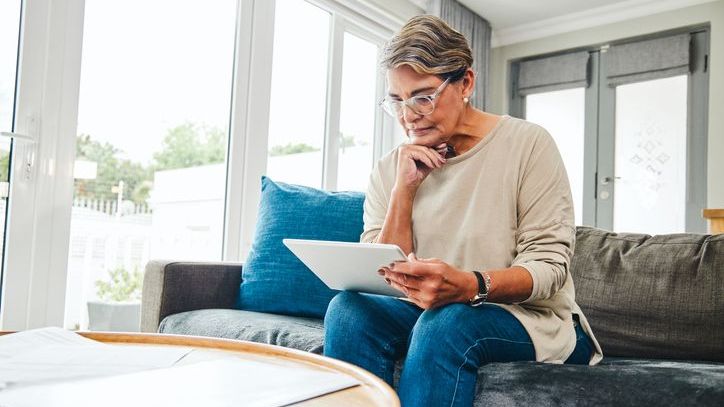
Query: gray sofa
(656, 305)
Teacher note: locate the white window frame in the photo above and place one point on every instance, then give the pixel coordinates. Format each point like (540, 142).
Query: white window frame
(38, 222)
(246, 167)
(38, 228)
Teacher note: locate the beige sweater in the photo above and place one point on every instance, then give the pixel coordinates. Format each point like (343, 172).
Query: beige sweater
(505, 202)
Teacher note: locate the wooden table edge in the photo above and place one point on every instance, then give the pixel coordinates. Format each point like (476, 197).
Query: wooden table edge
(384, 392)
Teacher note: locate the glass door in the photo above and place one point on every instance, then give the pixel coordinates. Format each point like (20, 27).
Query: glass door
(652, 135)
(150, 160)
(650, 156)
(9, 42)
(562, 113)
(630, 123)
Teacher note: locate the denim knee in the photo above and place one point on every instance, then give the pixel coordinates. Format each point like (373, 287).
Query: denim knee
(345, 311)
(437, 327)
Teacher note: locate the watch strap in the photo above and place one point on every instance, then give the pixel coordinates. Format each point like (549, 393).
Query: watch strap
(483, 288)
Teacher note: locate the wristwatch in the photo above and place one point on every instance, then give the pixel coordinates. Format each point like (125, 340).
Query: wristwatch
(483, 288)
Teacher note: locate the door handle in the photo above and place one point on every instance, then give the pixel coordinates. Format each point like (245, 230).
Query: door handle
(30, 142)
(608, 180)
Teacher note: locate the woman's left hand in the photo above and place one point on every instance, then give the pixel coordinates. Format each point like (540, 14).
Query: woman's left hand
(430, 283)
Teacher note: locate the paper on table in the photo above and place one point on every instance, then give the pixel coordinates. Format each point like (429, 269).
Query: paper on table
(223, 382)
(54, 354)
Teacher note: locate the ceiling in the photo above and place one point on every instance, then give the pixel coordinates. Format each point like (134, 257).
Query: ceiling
(522, 20)
(506, 13)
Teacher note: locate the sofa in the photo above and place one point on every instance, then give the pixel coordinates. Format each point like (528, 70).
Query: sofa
(655, 303)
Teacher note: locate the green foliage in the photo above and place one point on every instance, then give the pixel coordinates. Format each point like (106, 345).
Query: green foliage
(4, 166)
(291, 149)
(191, 145)
(111, 169)
(346, 141)
(187, 145)
(122, 286)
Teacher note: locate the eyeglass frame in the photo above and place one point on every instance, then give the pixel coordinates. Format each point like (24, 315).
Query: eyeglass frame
(408, 102)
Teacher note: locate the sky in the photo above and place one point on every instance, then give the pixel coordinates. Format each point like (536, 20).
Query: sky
(151, 65)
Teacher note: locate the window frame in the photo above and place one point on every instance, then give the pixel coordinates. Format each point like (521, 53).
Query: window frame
(600, 128)
(249, 163)
(50, 60)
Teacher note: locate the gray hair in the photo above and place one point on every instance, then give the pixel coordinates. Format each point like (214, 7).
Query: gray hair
(429, 46)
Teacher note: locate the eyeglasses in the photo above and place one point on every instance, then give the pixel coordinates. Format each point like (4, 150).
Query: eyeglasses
(420, 104)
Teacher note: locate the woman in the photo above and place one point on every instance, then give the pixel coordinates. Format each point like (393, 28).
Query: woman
(482, 206)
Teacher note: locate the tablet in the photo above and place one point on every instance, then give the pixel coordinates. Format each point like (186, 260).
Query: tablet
(348, 266)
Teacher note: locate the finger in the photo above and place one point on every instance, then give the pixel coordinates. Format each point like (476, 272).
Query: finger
(425, 160)
(397, 286)
(434, 159)
(406, 280)
(411, 256)
(435, 156)
(432, 154)
(414, 297)
(416, 268)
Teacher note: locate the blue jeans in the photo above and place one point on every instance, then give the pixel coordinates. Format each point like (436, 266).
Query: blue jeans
(444, 347)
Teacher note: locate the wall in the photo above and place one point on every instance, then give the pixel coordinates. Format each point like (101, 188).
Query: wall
(712, 13)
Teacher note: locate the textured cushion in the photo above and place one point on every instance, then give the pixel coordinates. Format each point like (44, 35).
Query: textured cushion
(273, 279)
(636, 382)
(292, 332)
(652, 297)
(611, 383)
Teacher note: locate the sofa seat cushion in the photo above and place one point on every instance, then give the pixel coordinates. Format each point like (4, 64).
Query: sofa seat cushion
(614, 382)
(292, 332)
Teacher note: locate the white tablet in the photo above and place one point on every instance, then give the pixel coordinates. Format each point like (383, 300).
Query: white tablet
(348, 266)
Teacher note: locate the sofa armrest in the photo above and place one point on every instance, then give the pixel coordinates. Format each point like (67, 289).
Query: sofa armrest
(170, 287)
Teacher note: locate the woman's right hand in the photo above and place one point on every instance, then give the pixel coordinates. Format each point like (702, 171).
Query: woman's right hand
(415, 163)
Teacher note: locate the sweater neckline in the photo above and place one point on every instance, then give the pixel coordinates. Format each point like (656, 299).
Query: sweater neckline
(482, 143)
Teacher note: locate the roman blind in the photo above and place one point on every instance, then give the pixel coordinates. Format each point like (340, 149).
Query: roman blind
(649, 59)
(553, 73)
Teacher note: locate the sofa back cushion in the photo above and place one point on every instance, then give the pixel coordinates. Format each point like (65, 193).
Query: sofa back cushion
(654, 297)
(273, 279)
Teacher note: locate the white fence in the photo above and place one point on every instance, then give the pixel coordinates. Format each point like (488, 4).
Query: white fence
(101, 240)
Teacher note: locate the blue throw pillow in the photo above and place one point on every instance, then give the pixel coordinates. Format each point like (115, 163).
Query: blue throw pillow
(273, 279)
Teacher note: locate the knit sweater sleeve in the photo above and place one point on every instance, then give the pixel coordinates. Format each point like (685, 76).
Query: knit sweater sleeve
(545, 236)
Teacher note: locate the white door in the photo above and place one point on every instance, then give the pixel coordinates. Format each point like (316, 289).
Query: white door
(9, 40)
(39, 64)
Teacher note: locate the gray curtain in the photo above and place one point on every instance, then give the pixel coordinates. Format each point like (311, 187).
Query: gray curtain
(648, 60)
(477, 30)
(553, 73)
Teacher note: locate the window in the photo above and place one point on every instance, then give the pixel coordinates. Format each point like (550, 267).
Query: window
(9, 28)
(357, 113)
(638, 110)
(153, 125)
(567, 131)
(323, 113)
(162, 137)
(650, 156)
(298, 93)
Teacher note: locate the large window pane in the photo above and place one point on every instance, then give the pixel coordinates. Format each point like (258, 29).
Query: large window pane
(9, 26)
(298, 93)
(650, 185)
(357, 113)
(562, 114)
(152, 136)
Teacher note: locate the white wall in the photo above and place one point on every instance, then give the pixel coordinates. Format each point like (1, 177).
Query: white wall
(711, 13)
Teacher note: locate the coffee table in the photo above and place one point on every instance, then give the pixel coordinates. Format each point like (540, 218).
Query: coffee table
(372, 391)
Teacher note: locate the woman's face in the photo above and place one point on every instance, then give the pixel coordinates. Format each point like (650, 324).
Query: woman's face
(437, 127)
